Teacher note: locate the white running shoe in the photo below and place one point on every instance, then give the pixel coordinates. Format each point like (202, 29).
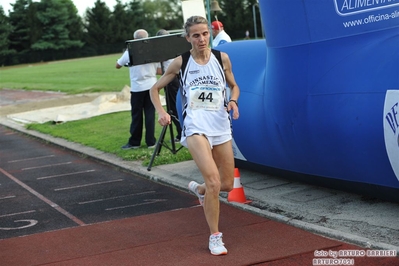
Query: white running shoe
(216, 245)
(193, 187)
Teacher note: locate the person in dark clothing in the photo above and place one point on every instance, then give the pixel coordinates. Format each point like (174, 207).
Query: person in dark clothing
(171, 92)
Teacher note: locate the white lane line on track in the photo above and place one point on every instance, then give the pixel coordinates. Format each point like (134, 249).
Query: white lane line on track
(87, 185)
(60, 175)
(7, 197)
(118, 197)
(148, 201)
(43, 198)
(29, 159)
(16, 213)
(45, 166)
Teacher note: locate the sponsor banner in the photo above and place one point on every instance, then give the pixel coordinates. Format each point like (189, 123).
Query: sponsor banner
(313, 21)
(352, 7)
(391, 128)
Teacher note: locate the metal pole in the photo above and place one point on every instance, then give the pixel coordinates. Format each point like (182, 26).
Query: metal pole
(208, 12)
(254, 15)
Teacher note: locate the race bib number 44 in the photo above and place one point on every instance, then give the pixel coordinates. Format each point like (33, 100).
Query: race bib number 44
(206, 97)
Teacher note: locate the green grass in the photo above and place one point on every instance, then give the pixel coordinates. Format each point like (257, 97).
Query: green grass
(106, 133)
(109, 133)
(92, 74)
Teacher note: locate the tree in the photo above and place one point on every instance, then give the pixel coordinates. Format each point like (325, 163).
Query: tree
(171, 14)
(135, 13)
(55, 20)
(98, 25)
(75, 23)
(5, 30)
(35, 29)
(236, 17)
(120, 23)
(162, 14)
(21, 23)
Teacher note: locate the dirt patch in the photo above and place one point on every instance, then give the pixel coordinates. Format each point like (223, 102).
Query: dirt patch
(17, 101)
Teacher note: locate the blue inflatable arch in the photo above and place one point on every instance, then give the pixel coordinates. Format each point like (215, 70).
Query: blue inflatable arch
(319, 97)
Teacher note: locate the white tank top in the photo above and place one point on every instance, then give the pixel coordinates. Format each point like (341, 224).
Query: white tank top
(204, 99)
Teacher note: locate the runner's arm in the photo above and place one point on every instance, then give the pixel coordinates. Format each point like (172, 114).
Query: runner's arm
(235, 90)
(165, 79)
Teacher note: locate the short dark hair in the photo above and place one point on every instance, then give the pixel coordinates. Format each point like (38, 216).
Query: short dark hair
(194, 20)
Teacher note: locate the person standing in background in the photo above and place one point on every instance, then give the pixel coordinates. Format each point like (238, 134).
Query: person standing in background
(142, 77)
(219, 35)
(247, 35)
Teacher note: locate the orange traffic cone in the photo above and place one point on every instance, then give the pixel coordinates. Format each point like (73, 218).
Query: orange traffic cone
(237, 194)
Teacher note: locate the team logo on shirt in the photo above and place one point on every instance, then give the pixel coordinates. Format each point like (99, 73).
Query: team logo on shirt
(205, 80)
(194, 72)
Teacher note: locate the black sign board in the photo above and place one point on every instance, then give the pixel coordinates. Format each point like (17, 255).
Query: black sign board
(156, 49)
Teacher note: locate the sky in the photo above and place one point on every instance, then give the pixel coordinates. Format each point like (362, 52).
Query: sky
(81, 5)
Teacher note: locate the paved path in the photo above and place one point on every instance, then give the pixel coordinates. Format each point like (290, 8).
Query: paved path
(287, 223)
